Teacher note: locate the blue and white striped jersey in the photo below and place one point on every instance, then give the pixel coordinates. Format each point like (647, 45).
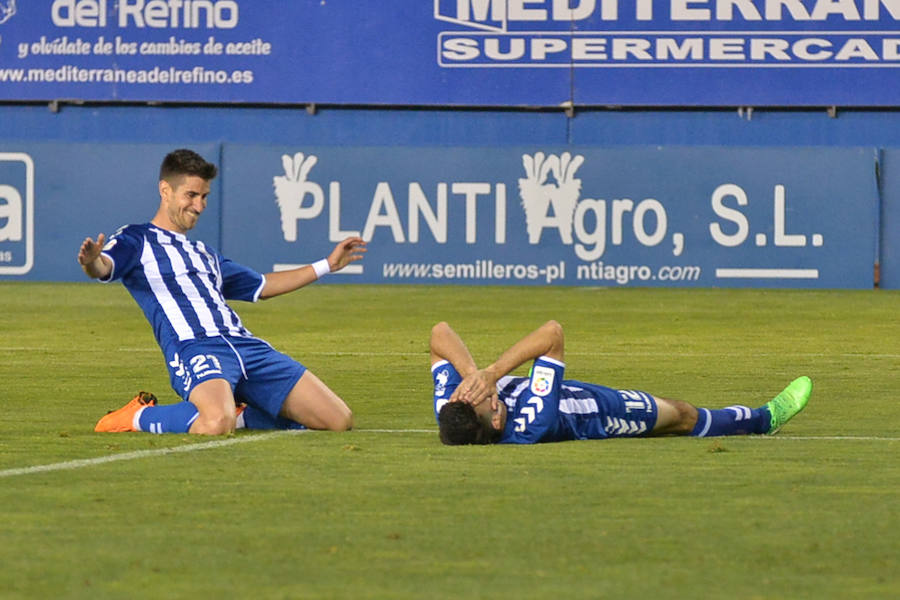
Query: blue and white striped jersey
(575, 410)
(544, 407)
(181, 285)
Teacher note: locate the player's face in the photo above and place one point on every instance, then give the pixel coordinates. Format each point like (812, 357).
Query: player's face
(497, 418)
(185, 201)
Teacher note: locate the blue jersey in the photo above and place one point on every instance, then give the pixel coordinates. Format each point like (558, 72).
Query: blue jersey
(546, 408)
(181, 285)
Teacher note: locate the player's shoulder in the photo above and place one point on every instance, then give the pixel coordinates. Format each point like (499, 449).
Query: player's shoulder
(506, 380)
(133, 230)
(509, 387)
(126, 235)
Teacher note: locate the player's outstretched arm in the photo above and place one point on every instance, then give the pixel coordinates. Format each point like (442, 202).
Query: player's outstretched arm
(93, 263)
(547, 340)
(349, 250)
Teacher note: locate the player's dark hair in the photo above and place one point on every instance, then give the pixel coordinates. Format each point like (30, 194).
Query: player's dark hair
(459, 425)
(186, 162)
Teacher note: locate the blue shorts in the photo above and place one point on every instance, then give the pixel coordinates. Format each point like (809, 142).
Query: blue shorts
(259, 375)
(617, 413)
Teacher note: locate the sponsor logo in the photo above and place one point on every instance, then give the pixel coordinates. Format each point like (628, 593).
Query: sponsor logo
(16, 213)
(500, 15)
(300, 199)
(542, 380)
(181, 372)
(550, 194)
(555, 207)
(647, 33)
(291, 191)
(540, 196)
(183, 14)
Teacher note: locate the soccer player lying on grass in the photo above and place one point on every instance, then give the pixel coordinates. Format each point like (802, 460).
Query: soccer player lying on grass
(182, 286)
(487, 406)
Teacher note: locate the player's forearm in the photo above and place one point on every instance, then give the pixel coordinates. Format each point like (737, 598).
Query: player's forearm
(99, 268)
(447, 345)
(283, 282)
(546, 340)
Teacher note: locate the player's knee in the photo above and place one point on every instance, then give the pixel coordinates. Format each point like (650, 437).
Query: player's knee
(675, 417)
(555, 331)
(343, 421)
(687, 418)
(439, 329)
(218, 424)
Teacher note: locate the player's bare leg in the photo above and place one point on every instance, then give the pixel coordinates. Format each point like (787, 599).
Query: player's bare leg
(313, 404)
(680, 418)
(215, 403)
(675, 417)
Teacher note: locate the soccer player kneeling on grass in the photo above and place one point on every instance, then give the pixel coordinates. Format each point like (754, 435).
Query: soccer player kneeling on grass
(214, 362)
(487, 406)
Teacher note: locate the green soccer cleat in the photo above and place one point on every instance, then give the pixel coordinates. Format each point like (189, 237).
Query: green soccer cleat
(788, 403)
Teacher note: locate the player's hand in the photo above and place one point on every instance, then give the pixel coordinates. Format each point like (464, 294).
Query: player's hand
(90, 250)
(476, 388)
(348, 251)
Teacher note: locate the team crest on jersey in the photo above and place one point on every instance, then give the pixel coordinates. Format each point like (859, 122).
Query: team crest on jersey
(440, 385)
(542, 380)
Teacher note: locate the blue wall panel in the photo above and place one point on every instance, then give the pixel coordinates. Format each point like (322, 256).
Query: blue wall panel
(890, 219)
(430, 127)
(164, 124)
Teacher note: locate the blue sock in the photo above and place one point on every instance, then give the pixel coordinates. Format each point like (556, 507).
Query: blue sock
(257, 419)
(734, 420)
(171, 418)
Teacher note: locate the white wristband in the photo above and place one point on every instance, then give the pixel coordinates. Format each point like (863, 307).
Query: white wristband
(321, 267)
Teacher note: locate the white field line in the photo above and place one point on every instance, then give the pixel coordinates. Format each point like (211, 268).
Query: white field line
(829, 438)
(70, 465)
(89, 462)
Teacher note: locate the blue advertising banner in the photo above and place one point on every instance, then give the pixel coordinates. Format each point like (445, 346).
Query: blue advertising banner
(454, 52)
(679, 216)
(803, 217)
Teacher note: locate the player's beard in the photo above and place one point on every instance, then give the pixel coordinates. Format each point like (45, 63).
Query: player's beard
(183, 219)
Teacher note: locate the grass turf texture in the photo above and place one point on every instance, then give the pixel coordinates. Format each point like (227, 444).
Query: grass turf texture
(370, 514)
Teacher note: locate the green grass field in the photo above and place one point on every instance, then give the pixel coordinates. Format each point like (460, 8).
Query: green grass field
(386, 511)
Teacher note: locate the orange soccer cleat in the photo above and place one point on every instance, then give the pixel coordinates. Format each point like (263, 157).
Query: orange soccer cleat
(117, 421)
